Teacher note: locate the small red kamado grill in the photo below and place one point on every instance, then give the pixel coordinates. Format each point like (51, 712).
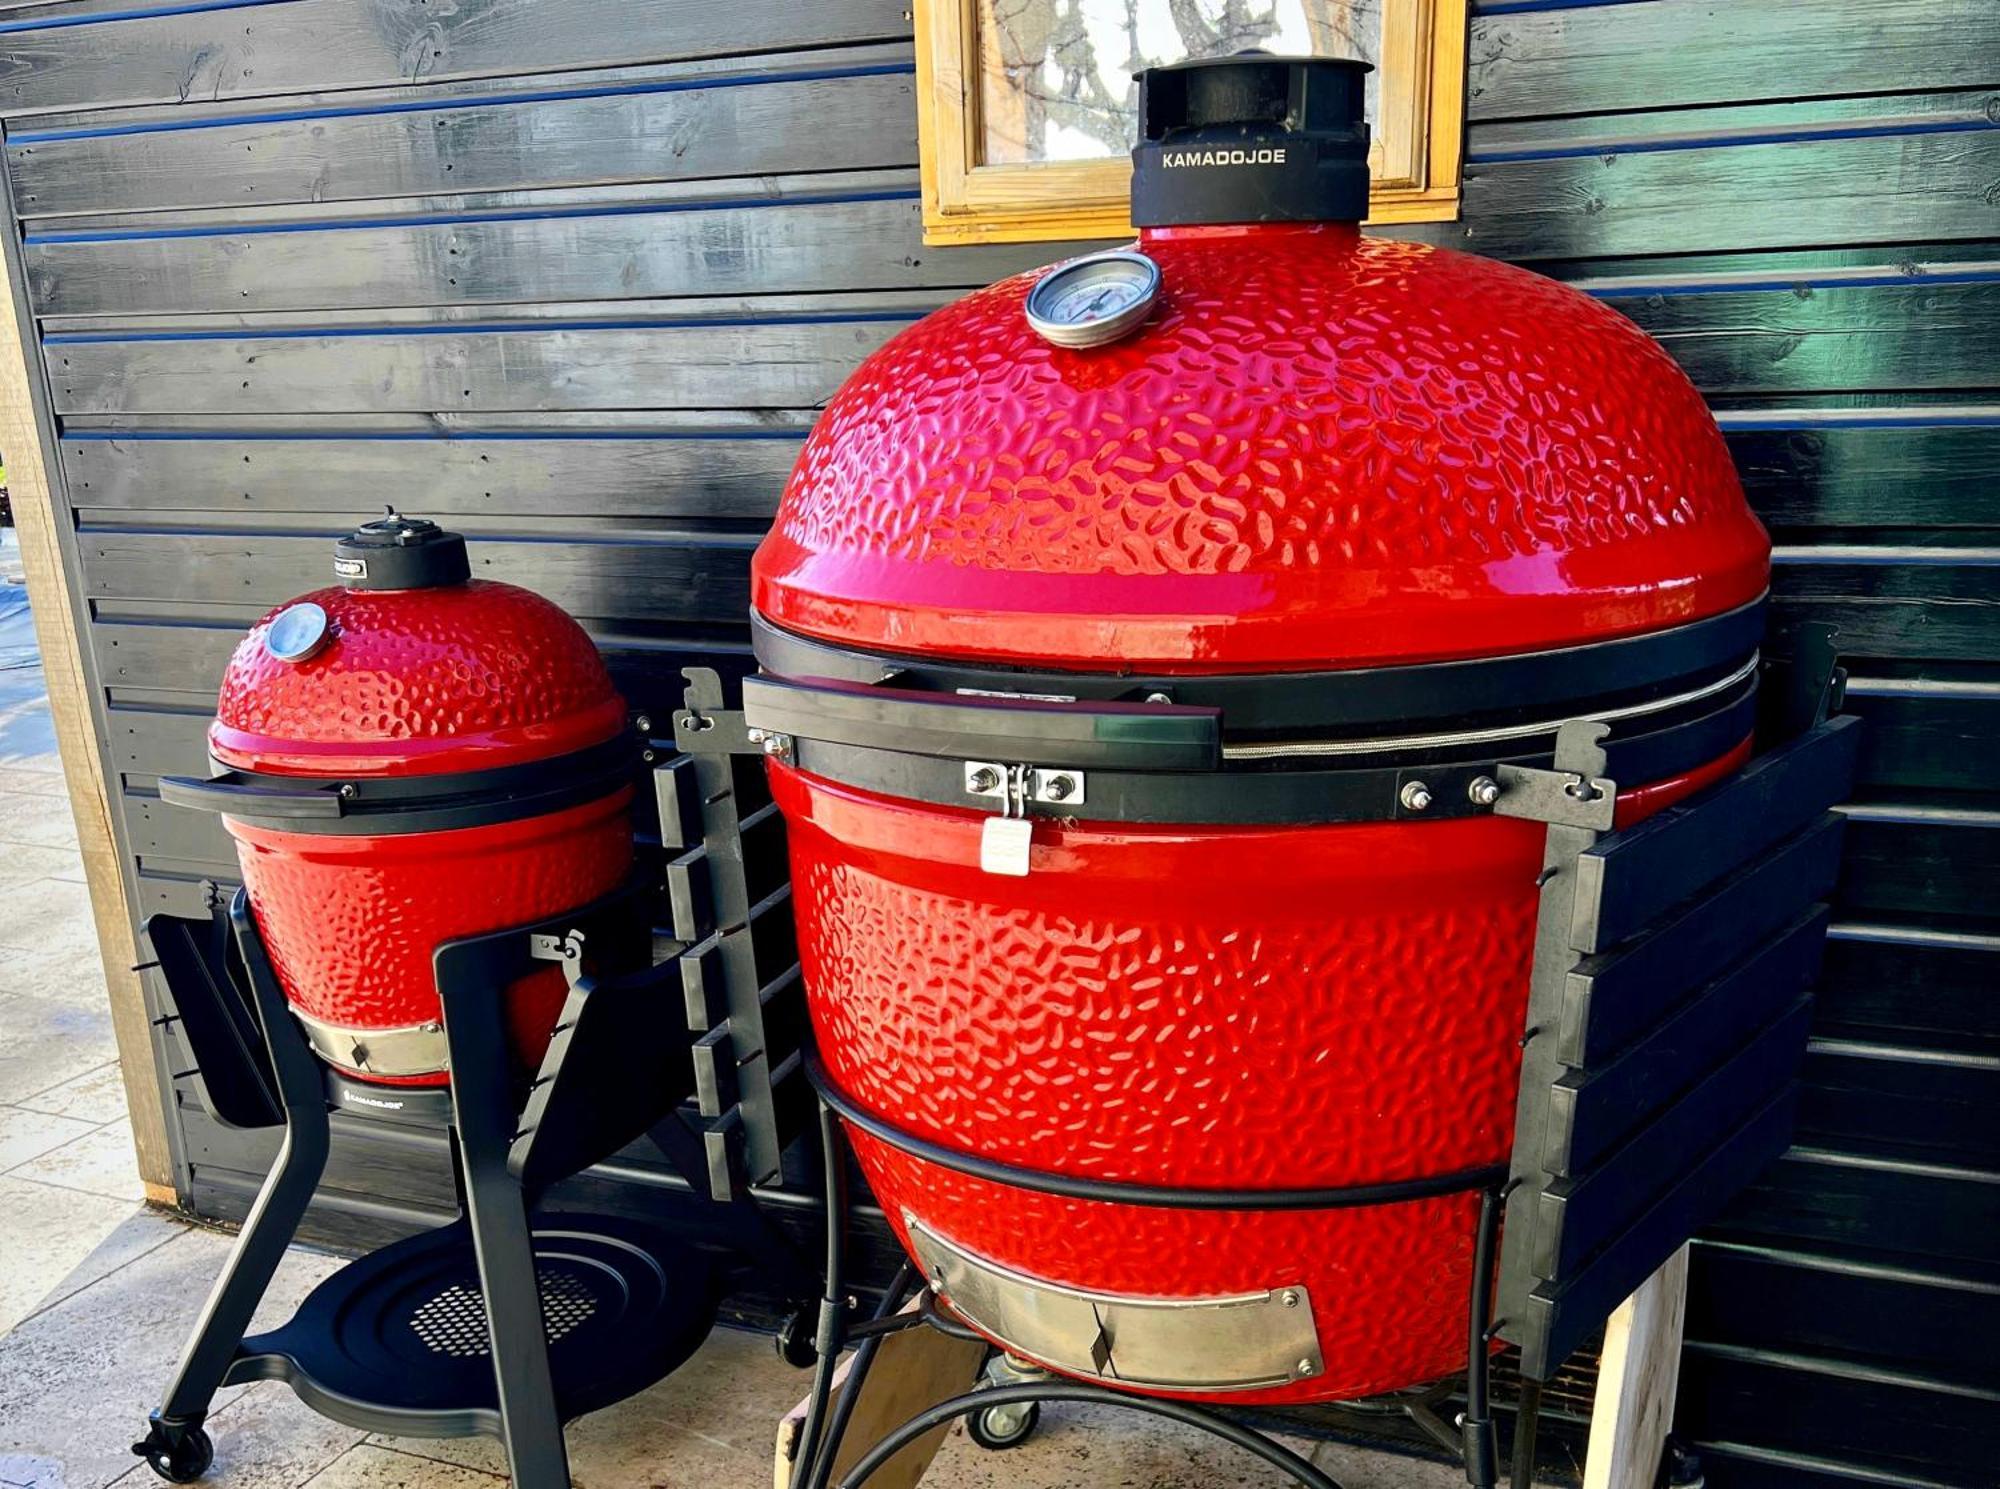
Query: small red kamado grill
(428, 780)
(1163, 657)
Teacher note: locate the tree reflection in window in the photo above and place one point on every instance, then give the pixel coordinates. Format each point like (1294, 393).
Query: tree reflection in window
(1056, 75)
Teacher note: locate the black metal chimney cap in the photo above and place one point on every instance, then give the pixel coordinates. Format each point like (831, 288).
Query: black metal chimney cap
(1251, 138)
(398, 552)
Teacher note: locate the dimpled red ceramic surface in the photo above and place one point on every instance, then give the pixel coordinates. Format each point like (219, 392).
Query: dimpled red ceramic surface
(1264, 1008)
(1323, 450)
(418, 681)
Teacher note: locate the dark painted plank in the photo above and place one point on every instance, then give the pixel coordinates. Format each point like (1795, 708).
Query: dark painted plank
(1630, 878)
(807, 243)
(325, 44)
(1942, 1102)
(731, 475)
(1948, 997)
(1879, 189)
(1877, 338)
(1922, 869)
(795, 363)
(1895, 1207)
(1927, 743)
(1673, 53)
(1608, 1000)
(703, 579)
(1902, 1424)
(1883, 477)
(1592, 1111)
(659, 130)
(1764, 1298)
(1582, 1215)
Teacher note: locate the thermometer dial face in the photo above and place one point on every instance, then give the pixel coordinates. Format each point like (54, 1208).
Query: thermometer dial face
(1091, 301)
(296, 632)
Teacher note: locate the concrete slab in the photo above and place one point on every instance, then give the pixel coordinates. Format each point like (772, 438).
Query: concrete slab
(44, 1232)
(37, 819)
(79, 1377)
(51, 915)
(48, 1041)
(28, 1134)
(95, 1096)
(100, 1161)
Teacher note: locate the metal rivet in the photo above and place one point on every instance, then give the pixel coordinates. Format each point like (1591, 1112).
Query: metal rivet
(643, 724)
(1415, 796)
(1483, 791)
(1159, 698)
(348, 790)
(983, 779)
(1289, 1298)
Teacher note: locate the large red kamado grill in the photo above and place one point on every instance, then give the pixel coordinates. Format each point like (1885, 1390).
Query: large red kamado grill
(407, 757)
(1143, 643)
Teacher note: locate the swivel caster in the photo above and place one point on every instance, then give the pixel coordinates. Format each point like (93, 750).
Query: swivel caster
(999, 1427)
(180, 1453)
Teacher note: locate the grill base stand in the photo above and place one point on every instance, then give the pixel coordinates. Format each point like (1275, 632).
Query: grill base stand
(484, 1325)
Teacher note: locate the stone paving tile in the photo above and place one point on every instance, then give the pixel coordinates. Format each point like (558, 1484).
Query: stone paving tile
(101, 1161)
(265, 1439)
(28, 1134)
(372, 1467)
(50, 915)
(46, 1042)
(141, 1231)
(95, 1096)
(43, 1233)
(32, 778)
(78, 1378)
(21, 864)
(39, 820)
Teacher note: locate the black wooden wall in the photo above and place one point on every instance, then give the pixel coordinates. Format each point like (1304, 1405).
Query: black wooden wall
(575, 275)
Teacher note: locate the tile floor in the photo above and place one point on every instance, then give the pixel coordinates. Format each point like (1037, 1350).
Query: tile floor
(97, 1293)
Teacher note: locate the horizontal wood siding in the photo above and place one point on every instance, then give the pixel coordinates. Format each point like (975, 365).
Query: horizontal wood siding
(1798, 200)
(578, 278)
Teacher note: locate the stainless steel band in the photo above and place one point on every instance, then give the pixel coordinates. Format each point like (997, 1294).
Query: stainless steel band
(405, 1050)
(1241, 1342)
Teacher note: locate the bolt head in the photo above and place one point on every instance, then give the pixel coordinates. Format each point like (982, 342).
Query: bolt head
(755, 736)
(1060, 788)
(983, 779)
(1483, 791)
(1304, 1367)
(1159, 698)
(1415, 796)
(777, 745)
(644, 724)
(349, 790)
(1289, 1298)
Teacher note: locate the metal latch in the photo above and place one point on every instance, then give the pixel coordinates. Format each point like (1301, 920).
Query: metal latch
(1005, 840)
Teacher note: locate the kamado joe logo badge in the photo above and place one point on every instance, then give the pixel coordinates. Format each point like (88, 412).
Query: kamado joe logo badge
(1264, 155)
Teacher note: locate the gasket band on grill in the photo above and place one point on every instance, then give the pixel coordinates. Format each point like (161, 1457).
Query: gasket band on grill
(1415, 697)
(1155, 1196)
(359, 806)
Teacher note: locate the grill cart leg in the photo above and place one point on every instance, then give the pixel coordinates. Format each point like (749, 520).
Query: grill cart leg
(497, 1210)
(175, 1444)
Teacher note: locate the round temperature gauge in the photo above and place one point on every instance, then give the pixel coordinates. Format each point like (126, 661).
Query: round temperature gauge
(1094, 300)
(297, 632)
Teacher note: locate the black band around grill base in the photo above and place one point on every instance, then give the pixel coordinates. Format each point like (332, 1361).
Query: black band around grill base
(1152, 1196)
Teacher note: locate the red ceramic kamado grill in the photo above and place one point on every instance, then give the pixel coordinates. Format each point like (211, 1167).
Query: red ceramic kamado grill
(407, 757)
(1145, 644)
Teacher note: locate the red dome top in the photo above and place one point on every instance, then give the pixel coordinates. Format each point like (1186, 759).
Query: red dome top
(1324, 450)
(453, 678)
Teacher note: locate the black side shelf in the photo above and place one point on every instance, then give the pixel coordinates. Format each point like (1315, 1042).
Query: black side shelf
(1666, 1023)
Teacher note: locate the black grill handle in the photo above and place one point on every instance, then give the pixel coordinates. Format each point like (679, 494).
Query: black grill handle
(231, 792)
(1081, 734)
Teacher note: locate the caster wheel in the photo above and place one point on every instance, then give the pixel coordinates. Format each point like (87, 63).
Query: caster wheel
(1000, 1427)
(180, 1455)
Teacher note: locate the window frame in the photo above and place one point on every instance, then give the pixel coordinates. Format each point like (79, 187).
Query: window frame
(1420, 136)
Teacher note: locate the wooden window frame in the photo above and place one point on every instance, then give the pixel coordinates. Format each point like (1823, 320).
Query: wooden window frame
(1419, 140)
